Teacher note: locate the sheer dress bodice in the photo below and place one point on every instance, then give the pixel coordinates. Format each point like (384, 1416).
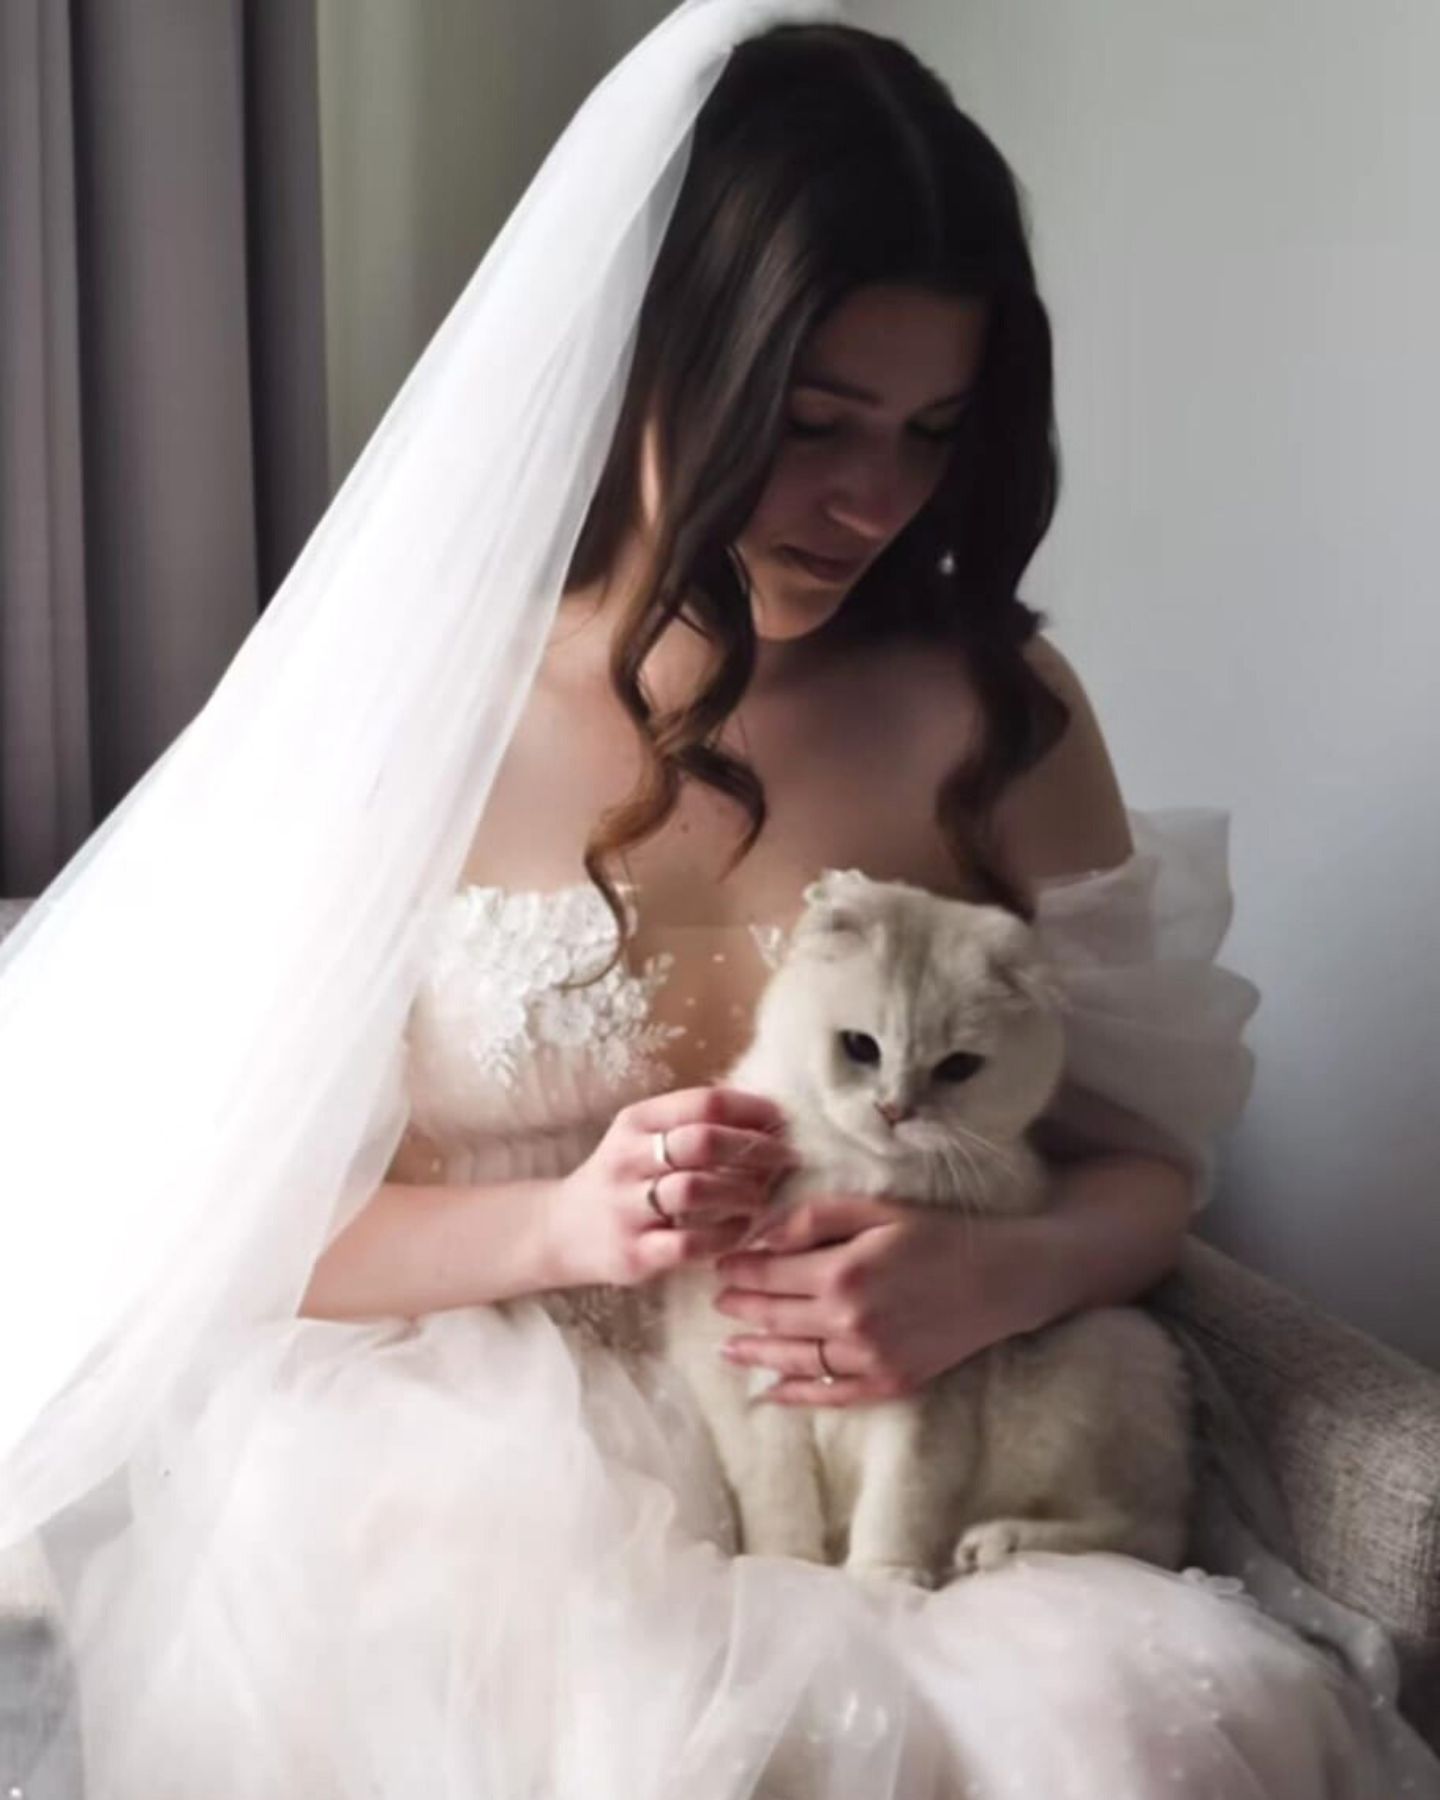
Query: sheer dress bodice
(518, 1061)
(516, 1064)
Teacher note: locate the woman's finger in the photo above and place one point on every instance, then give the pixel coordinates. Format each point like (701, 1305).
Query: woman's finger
(705, 1106)
(661, 1250)
(794, 1356)
(809, 1392)
(800, 1381)
(787, 1316)
(695, 1194)
(821, 1219)
(715, 1148)
(769, 1272)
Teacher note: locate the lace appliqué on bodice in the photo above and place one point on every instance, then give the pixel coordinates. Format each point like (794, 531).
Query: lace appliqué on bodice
(510, 1034)
(525, 951)
(519, 1060)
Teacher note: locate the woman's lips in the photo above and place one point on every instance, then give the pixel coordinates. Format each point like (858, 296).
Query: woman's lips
(823, 566)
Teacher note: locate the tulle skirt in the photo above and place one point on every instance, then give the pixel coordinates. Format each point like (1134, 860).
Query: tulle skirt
(471, 1556)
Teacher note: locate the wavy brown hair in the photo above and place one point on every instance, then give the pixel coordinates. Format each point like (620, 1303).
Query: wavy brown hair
(826, 158)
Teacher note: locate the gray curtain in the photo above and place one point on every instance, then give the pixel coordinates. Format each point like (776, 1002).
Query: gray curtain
(162, 380)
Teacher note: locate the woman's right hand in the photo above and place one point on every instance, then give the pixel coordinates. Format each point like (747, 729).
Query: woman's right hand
(726, 1151)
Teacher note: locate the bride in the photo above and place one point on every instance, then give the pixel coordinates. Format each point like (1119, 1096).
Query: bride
(443, 1522)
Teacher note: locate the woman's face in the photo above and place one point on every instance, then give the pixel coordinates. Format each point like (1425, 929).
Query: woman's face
(878, 392)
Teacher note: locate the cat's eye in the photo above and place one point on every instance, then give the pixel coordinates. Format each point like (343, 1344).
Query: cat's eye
(959, 1067)
(860, 1047)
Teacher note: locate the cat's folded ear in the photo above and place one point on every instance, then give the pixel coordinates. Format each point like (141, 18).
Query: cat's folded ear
(836, 918)
(1014, 955)
(834, 887)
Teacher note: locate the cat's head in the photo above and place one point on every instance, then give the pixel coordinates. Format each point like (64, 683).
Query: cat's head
(915, 1021)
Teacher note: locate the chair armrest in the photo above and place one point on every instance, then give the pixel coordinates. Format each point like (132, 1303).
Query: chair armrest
(1352, 1432)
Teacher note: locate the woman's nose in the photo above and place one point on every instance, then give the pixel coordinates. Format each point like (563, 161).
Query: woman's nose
(874, 499)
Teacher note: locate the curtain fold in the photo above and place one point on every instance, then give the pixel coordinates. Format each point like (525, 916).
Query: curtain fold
(162, 380)
(46, 798)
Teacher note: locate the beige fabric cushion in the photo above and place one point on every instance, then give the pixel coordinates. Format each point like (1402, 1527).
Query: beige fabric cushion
(1351, 1431)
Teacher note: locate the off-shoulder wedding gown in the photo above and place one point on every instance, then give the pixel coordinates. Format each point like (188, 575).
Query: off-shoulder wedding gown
(479, 1556)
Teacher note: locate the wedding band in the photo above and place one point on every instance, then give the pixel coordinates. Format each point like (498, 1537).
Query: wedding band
(652, 1200)
(827, 1374)
(662, 1149)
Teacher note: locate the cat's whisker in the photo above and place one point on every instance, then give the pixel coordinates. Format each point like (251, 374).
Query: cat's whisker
(970, 1216)
(961, 1203)
(948, 1156)
(963, 1170)
(1006, 1159)
(959, 1150)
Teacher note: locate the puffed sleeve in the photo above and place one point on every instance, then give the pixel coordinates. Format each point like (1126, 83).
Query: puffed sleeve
(1154, 1053)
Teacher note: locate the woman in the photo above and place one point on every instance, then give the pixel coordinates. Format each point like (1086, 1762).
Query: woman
(468, 1549)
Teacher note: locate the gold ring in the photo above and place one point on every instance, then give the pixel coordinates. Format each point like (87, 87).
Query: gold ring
(827, 1374)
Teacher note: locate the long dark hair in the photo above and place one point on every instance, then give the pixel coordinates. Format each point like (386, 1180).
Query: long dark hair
(827, 158)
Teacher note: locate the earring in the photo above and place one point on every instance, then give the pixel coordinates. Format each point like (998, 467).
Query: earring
(946, 564)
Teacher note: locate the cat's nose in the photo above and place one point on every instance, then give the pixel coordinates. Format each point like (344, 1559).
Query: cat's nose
(894, 1112)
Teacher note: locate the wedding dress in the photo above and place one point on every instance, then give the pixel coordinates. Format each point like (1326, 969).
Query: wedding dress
(486, 1554)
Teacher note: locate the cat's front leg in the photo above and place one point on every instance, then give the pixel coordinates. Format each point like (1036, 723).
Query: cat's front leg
(902, 1527)
(768, 1453)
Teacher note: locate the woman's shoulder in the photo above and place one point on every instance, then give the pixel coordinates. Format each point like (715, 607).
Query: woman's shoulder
(1063, 816)
(1066, 814)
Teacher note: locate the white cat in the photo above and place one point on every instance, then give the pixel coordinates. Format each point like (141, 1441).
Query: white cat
(911, 1040)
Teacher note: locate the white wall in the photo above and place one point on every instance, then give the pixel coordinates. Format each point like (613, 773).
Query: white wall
(1238, 232)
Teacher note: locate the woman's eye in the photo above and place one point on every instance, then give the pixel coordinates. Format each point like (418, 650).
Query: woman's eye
(945, 436)
(860, 1048)
(959, 1067)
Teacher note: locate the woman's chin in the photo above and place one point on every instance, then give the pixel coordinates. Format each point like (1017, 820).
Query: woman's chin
(782, 621)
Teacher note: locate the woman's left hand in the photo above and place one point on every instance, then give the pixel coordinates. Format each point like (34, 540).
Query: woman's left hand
(895, 1292)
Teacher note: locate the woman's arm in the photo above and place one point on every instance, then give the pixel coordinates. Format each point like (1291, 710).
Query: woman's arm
(1114, 1227)
(417, 1248)
(1118, 1217)
(421, 1247)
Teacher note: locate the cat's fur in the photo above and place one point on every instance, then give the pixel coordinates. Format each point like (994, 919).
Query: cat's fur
(1071, 1438)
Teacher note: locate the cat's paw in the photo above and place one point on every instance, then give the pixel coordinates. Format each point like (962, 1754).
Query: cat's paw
(988, 1546)
(891, 1574)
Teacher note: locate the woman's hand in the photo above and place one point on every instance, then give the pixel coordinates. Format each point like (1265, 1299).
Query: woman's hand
(896, 1293)
(608, 1218)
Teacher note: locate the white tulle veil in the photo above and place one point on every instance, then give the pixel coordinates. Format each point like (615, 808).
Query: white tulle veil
(201, 1018)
